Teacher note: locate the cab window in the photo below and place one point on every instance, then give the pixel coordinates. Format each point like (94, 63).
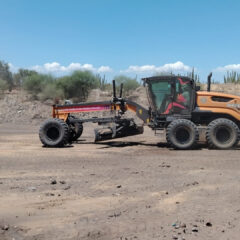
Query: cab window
(161, 91)
(183, 92)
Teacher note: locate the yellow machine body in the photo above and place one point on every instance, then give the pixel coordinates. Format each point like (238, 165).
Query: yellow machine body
(220, 103)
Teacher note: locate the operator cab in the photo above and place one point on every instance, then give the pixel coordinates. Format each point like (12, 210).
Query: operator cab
(170, 95)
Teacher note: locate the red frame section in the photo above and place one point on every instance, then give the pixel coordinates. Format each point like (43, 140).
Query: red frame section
(85, 108)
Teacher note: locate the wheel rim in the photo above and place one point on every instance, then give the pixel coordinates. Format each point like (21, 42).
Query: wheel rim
(53, 133)
(223, 134)
(182, 135)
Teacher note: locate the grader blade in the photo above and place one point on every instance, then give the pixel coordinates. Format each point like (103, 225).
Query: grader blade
(117, 131)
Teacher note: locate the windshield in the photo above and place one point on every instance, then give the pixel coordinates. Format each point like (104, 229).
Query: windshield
(171, 95)
(161, 94)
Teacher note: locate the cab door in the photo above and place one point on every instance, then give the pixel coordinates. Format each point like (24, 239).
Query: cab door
(183, 97)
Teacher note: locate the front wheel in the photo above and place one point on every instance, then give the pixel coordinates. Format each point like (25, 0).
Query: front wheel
(182, 134)
(54, 133)
(222, 133)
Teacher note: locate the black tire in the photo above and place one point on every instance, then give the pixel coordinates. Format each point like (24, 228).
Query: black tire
(76, 131)
(54, 133)
(222, 133)
(182, 134)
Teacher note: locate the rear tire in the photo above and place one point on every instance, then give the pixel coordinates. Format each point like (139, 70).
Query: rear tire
(222, 133)
(54, 133)
(182, 134)
(76, 131)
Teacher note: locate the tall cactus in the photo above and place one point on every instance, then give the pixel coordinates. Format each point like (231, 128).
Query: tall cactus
(194, 76)
(232, 77)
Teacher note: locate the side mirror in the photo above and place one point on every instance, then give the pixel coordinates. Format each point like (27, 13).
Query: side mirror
(197, 88)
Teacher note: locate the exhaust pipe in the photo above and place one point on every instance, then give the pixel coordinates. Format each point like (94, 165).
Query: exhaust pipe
(114, 90)
(209, 82)
(121, 90)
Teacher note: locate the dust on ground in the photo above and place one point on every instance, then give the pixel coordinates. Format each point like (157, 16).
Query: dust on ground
(128, 188)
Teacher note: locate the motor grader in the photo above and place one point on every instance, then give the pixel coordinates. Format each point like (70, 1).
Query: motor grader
(177, 106)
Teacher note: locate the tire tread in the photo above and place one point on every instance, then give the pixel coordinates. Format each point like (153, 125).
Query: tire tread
(212, 124)
(181, 122)
(65, 128)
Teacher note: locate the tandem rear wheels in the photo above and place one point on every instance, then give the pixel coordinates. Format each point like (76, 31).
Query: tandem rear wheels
(221, 133)
(182, 134)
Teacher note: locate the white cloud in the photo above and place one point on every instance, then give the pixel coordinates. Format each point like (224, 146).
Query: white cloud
(177, 66)
(57, 68)
(231, 67)
(103, 69)
(144, 68)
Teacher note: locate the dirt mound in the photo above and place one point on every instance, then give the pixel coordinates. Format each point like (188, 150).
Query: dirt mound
(140, 96)
(98, 95)
(17, 107)
(229, 88)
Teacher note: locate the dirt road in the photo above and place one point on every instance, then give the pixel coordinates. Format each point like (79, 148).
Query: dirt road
(131, 188)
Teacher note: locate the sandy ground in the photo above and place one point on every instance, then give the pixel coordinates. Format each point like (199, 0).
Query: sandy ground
(129, 188)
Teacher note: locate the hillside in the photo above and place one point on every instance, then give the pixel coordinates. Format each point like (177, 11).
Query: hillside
(229, 88)
(18, 107)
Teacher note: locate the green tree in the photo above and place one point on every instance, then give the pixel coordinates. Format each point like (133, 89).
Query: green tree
(129, 84)
(158, 74)
(78, 85)
(3, 86)
(6, 75)
(18, 77)
(50, 91)
(36, 83)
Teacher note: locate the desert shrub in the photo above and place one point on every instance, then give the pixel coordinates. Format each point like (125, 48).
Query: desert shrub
(36, 83)
(3, 87)
(102, 82)
(232, 77)
(78, 85)
(129, 84)
(50, 91)
(19, 77)
(6, 75)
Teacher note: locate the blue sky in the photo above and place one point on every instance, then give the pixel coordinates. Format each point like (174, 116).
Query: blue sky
(133, 37)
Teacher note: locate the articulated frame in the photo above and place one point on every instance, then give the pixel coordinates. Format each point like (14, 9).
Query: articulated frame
(121, 106)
